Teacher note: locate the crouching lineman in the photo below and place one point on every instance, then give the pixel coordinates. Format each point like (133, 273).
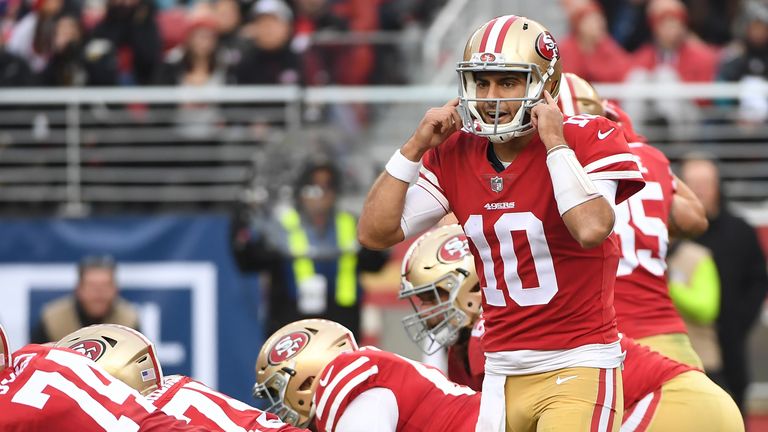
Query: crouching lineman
(313, 371)
(54, 389)
(129, 356)
(660, 394)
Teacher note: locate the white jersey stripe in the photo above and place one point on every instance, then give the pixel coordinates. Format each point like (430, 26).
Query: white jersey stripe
(632, 422)
(431, 177)
(435, 192)
(336, 380)
(605, 411)
(612, 159)
(493, 37)
(354, 382)
(615, 175)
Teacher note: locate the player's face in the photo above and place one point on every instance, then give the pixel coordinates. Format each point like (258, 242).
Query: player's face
(428, 300)
(97, 291)
(499, 85)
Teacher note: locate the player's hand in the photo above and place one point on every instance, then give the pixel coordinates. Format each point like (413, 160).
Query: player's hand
(436, 126)
(548, 119)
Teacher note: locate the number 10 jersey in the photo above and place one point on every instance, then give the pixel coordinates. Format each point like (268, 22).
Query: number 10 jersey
(541, 290)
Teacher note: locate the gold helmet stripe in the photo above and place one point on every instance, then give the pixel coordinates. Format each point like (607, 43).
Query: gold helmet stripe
(496, 33)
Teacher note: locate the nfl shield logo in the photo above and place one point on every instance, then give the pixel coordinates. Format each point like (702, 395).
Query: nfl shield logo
(497, 184)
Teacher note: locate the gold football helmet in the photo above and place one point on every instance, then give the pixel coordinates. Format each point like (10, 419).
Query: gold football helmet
(508, 44)
(5, 349)
(438, 277)
(123, 352)
(577, 96)
(290, 362)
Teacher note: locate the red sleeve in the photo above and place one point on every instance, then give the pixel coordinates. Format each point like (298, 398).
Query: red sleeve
(158, 421)
(476, 351)
(430, 176)
(601, 149)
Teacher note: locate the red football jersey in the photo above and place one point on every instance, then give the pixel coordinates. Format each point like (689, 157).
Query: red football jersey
(541, 289)
(466, 362)
(645, 371)
(197, 404)
(643, 305)
(419, 389)
(52, 389)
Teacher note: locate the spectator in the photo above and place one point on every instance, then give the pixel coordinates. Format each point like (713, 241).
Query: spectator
(14, 71)
(712, 20)
(742, 268)
(74, 63)
(627, 22)
(131, 27)
(229, 20)
(746, 60)
(32, 37)
(589, 51)
(95, 301)
(310, 252)
(675, 55)
(196, 62)
(674, 46)
(329, 63)
(268, 58)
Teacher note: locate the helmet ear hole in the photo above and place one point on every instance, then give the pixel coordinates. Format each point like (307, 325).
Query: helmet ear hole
(307, 383)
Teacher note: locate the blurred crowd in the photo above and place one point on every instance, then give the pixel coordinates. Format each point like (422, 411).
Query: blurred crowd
(201, 42)
(668, 41)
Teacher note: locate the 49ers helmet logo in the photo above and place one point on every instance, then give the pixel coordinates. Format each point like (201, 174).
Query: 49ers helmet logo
(454, 249)
(287, 347)
(91, 348)
(546, 46)
(487, 57)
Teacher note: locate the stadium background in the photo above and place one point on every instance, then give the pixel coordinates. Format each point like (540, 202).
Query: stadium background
(147, 165)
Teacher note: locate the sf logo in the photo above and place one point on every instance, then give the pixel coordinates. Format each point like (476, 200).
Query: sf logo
(288, 346)
(457, 247)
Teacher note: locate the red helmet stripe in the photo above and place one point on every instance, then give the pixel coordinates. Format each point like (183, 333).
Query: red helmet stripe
(503, 33)
(486, 34)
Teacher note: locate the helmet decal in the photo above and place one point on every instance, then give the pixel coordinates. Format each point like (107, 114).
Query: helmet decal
(288, 346)
(488, 57)
(454, 249)
(546, 46)
(91, 348)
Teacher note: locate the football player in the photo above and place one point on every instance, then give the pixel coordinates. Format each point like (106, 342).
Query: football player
(312, 371)
(438, 277)
(129, 356)
(666, 205)
(534, 194)
(54, 389)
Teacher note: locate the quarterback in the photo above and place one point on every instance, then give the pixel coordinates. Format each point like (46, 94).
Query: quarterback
(534, 193)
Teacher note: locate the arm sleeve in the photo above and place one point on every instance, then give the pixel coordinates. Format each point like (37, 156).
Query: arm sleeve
(699, 300)
(422, 209)
(373, 410)
(608, 189)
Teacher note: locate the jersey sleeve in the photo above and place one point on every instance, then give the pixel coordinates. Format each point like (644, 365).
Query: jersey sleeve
(341, 381)
(429, 177)
(602, 150)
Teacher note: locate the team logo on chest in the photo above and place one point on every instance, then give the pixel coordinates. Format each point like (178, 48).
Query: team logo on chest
(497, 184)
